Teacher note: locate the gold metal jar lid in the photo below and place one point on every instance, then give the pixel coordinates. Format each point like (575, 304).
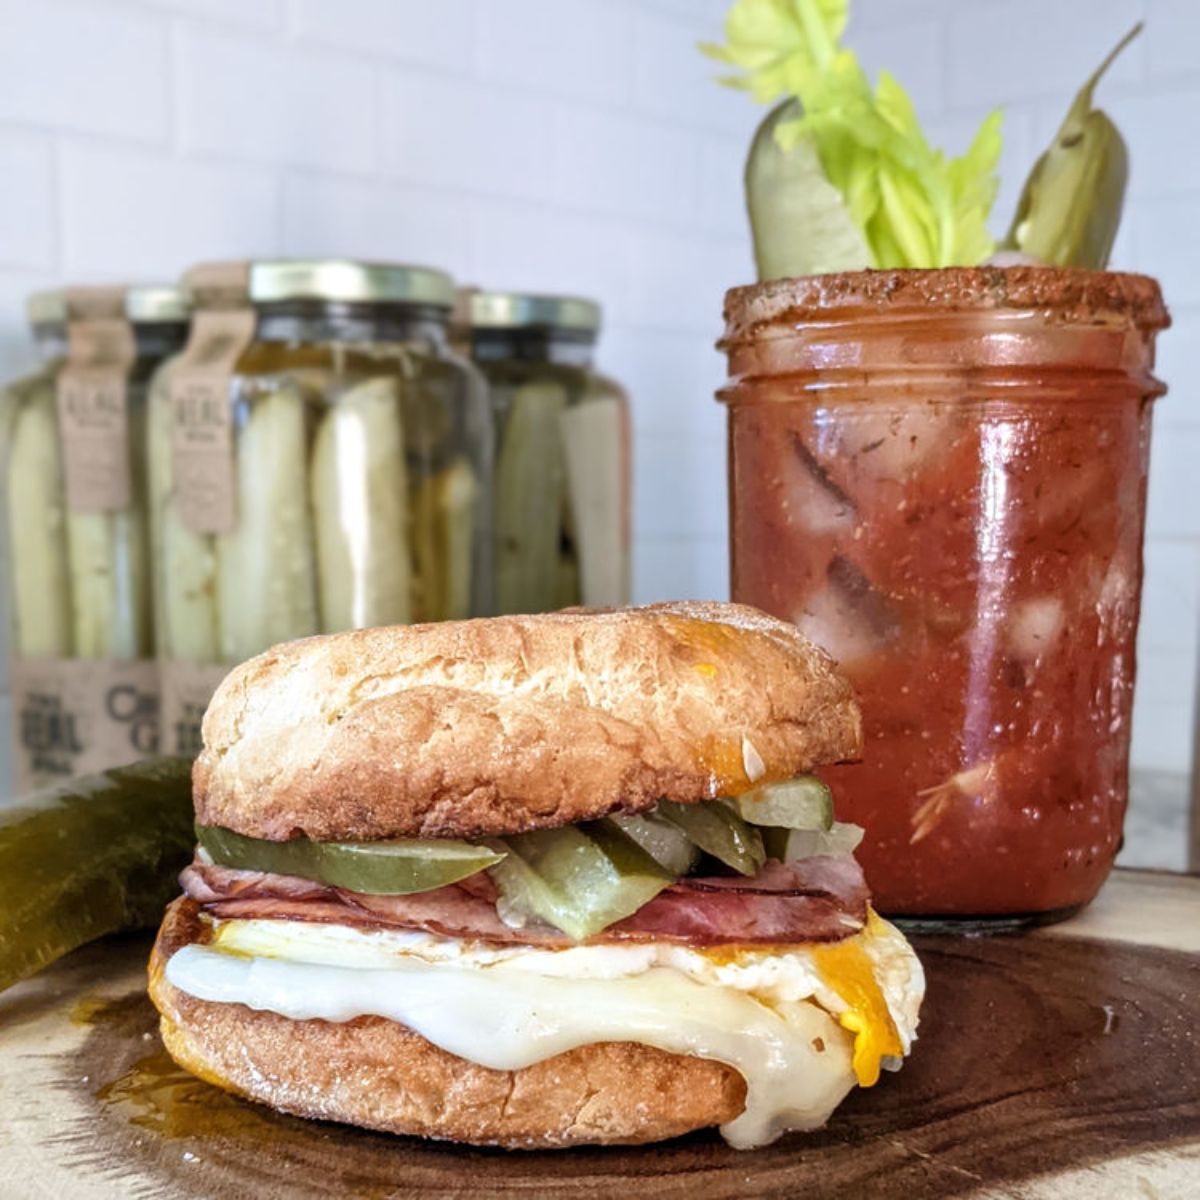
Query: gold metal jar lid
(157, 304)
(344, 281)
(520, 310)
(47, 307)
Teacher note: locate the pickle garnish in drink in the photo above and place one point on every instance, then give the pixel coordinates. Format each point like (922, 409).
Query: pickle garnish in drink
(1070, 207)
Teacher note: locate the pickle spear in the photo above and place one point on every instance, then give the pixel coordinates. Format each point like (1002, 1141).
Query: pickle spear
(1070, 207)
(360, 507)
(393, 868)
(530, 482)
(800, 223)
(266, 581)
(41, 588)
(718, 831)
(185, 595)
(580, 880)
(444, 526)
(594, 442)
(110, 591)
(89, 857)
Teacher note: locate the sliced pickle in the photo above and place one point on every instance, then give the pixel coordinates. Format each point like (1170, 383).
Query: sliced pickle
(578, 879)
(718, 831)
(392, 868)
(667, 844)
(838, 842)
(89, 857)
(802, 803)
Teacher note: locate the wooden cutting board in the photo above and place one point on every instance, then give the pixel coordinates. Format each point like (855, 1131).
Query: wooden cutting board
(1064, 1063)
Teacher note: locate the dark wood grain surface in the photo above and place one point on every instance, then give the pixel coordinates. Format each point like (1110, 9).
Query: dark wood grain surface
(1046, 1066)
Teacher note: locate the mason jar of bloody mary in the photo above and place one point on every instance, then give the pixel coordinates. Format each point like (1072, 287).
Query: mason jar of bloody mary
(940, 477)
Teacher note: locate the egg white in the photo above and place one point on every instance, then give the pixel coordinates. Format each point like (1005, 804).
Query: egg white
(773, 974)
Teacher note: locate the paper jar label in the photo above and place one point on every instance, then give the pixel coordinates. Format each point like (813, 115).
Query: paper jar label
(202, 420)
(73, 716)
(186, 691)
(92, 393)
(93, 425)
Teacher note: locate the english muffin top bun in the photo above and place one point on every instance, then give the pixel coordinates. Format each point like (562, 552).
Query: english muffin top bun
(476, 728)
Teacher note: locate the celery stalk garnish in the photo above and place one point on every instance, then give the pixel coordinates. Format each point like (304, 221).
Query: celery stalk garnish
(911, 205)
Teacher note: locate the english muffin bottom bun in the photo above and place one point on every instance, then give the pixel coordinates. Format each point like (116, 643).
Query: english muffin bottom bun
(535, 882)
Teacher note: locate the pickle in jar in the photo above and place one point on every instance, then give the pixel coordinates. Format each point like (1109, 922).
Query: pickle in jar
(360, 509)
(266, 580)
(185, 592)
(110, 584)
(530, 485)
(443, 541)
(42, 619)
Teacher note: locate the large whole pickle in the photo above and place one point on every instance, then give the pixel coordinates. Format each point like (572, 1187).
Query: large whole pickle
(718, 831)
(360, 508)
(185, 594)
(443, 534)
(391, 868)
(578, 879)
(37, 523)
(89, 857)
(530, 485)
(266, 581)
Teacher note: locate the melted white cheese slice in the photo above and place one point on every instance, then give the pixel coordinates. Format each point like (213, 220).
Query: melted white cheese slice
(508, 1009)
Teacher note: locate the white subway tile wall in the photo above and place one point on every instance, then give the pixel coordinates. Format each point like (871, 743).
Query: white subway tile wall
(570, 145)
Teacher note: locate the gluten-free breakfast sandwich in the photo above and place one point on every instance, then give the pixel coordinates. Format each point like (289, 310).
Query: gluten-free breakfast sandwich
(534, 881)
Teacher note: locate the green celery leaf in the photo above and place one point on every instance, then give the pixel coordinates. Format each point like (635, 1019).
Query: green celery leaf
(910, 204)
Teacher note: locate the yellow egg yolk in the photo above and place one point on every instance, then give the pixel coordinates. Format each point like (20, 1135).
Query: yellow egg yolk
(847, 969)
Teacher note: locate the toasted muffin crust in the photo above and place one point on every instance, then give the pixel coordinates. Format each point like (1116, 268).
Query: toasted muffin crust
(488, 727)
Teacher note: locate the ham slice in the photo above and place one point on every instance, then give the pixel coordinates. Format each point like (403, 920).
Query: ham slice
(815, 900)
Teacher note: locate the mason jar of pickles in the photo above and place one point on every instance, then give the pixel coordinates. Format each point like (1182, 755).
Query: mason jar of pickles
(319, 461)
(83, 678)
(562, 506)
